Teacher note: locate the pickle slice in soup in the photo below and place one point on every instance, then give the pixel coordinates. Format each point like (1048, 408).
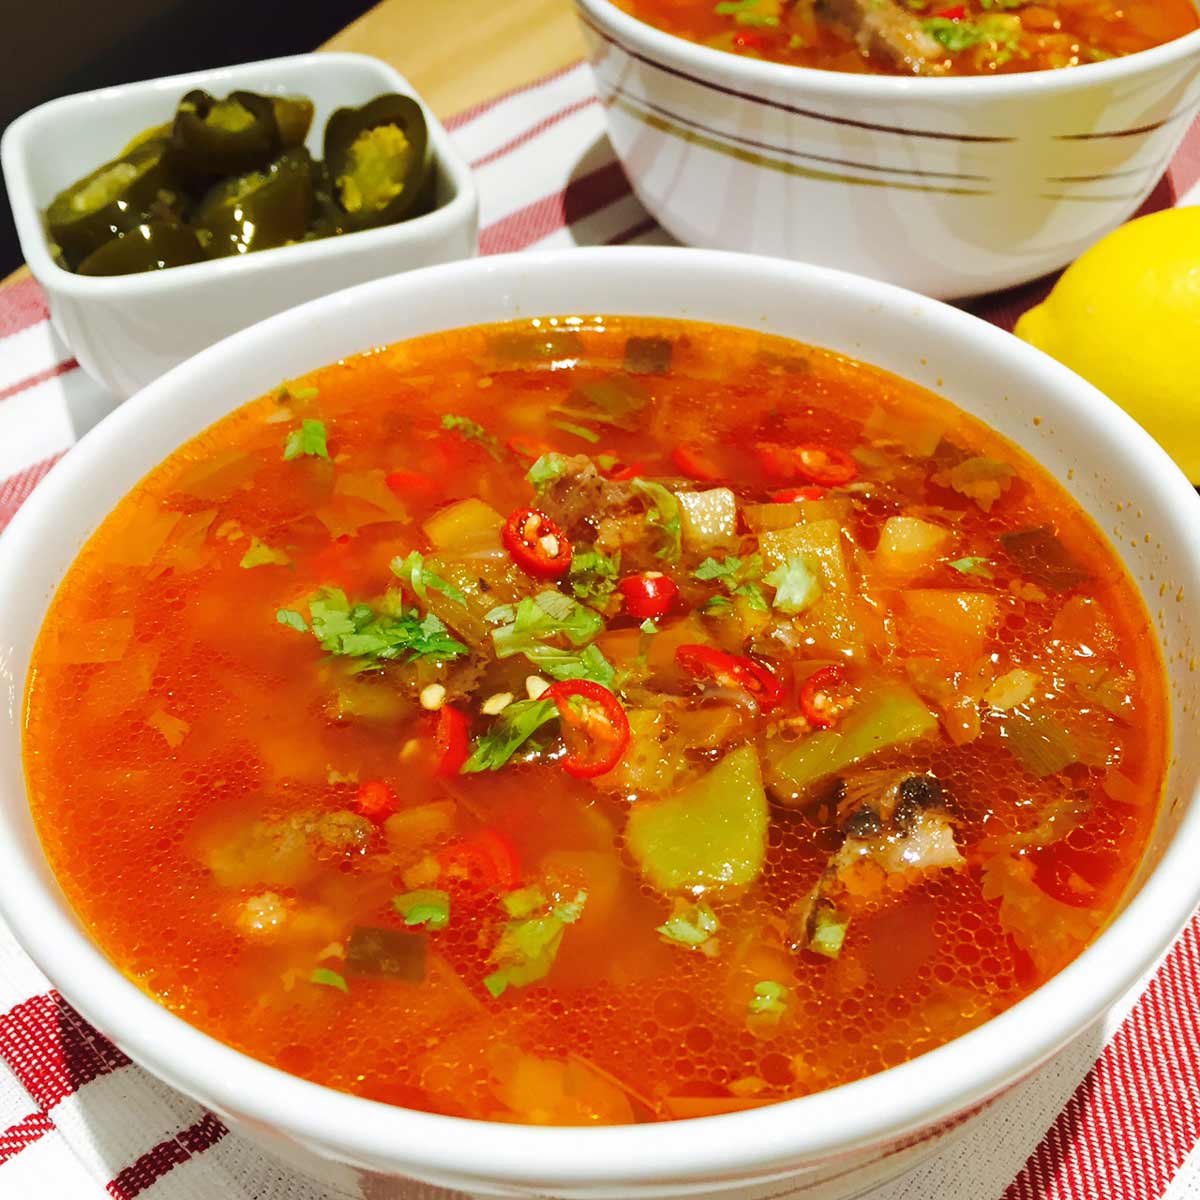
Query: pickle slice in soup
(378, 161)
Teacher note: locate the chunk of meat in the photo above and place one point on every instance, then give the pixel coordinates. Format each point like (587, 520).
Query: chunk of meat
(581, 498)
(888, 33)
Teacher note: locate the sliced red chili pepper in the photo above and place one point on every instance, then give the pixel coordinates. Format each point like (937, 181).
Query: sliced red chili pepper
(538, 546)
(792, 495)
(815, 461)
(695, 464)
(409, 485)
(732, 670)
(452, 739)
(594, 726)
(483, 862)
(822, 698)
(649, 595)
(955, 13)
(376, 800)
(747, 41)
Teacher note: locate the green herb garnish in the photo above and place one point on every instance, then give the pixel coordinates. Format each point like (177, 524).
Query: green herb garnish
(974, 565)
(308, 439)
(427, 906)
(509, 732)
(770, 999)
(738, 576)
(472, 431)
(546, 470)
(796, 587)
(358, 631)
(547, 614)
(693, 926)
(420, 578)
(756, 14)
(828, 933)
(529, 945)
(580, 431)
(594, 576)
(664, 516)
(328, 978)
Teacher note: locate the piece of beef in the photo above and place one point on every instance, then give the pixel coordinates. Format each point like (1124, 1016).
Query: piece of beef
(582, 498)
(889, 33)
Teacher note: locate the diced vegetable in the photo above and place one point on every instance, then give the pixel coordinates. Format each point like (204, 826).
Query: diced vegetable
(909, 547)
(464, 527)
(708, 520)
(429, 907)
(386, 953)
(710, 833)
(693, 926)
(950, 625)
(796, 587)
(892, 715)
(648, 355)
(803, 505)
(413, 829)
(1011, 689)
(983, 480)
(1041, 743)
(818, 544)
(1041, 557)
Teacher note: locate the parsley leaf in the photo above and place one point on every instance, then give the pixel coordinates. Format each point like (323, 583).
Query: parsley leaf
(737, 576)
(594, 575)
(472, 431)
(420, 578)
(974, 565)
(580, 431)
(664, 516)
(426, 906)
(261, 555)
(308, 439)
(328, 978)
(588, 663)
(546, 470)
(796, 587)
(528, 946)
(360, 632)
(1000, 33)
(509, 732)
(760, 14)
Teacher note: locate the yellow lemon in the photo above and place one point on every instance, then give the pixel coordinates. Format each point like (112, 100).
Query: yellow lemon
(1126, 316)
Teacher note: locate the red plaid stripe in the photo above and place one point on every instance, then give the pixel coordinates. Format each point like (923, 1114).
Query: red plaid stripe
(24, 305)
(166, 1156)
(24, 1133)
(15, 490)
(52, 1050)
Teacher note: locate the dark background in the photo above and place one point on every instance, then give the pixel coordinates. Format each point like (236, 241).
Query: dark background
(52, 48)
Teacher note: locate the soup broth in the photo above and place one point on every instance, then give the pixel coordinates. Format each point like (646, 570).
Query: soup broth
(909, 37)
(594, 720)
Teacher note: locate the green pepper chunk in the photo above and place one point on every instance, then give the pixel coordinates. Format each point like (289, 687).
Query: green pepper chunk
(378, 162)
(260, 209)
(114, 198)
(150, 246)
(212, 138)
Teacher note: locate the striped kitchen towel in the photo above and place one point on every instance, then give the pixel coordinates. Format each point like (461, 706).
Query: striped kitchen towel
(1114, 1117)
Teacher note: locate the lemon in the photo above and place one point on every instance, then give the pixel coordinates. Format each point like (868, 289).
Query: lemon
(1126, 316)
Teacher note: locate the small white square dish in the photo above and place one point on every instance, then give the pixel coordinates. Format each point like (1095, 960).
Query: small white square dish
(126, 330)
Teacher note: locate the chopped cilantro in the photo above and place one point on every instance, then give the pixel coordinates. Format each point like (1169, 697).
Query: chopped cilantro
(1001, 34)
(261, 555)
(974, 565)
(509, 732)
(420, 578)
(692, 926)
(580, 431)
(360, 632)
(546, 470)
(738, 576)
(547, 614)
(427, 906)
(303, 394)
(328, 978)
(648, 626)
(760, 14)
(529, 945)
(593, 576)
(770, 999)
(829, 932)
(796, 587)
(308, 439)
(664, 516)
(292, 619)
(472, 431)
(606, 462)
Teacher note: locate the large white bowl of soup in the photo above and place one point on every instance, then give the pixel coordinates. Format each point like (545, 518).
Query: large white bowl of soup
(478, 725)
(950, 149)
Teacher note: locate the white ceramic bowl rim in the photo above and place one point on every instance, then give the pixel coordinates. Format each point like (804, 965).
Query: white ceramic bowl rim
(933, 1086)
(753, 74)
(445, 156)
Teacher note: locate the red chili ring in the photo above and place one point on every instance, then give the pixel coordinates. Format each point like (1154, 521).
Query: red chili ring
(537, 545)
(594, 726)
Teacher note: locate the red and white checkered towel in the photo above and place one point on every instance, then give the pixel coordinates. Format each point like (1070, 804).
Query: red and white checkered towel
(1115, 1117)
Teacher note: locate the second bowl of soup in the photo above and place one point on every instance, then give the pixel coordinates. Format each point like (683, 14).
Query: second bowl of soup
(954, 152)
(564, 717)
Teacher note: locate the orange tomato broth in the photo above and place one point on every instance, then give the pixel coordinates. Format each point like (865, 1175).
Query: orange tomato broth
(1025, 36)
(195, 767)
